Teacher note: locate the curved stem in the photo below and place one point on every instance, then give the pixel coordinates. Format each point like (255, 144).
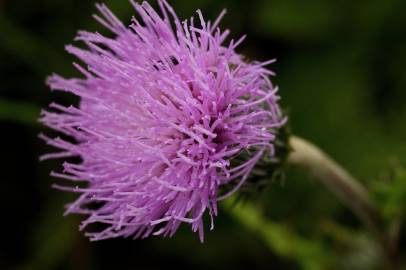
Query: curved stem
(339, 181)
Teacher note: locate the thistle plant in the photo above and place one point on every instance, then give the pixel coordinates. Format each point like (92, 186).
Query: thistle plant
(171, 120)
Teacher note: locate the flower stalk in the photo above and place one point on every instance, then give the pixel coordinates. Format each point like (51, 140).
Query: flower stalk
(347, 189)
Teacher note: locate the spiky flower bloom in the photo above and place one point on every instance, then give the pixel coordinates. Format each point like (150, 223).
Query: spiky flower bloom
(163, 110)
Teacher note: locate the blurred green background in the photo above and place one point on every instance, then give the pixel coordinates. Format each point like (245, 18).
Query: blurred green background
(341, 71)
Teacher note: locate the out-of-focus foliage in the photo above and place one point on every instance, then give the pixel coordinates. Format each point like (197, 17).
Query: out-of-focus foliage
(341, 71)
(390, 191)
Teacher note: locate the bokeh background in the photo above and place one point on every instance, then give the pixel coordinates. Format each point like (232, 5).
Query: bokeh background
(341, 71)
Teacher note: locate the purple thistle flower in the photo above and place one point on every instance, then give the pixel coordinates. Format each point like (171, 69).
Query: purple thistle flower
(163, 110)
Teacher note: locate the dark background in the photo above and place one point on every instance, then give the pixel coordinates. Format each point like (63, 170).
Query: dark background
(341, 71)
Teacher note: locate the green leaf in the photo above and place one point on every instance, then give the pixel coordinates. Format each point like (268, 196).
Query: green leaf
(18, 112)
(282, 240)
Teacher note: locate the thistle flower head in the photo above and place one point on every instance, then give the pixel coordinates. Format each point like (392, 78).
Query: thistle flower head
(165, 108)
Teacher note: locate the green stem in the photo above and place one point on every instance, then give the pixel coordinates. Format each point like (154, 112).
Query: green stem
(340, 182)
